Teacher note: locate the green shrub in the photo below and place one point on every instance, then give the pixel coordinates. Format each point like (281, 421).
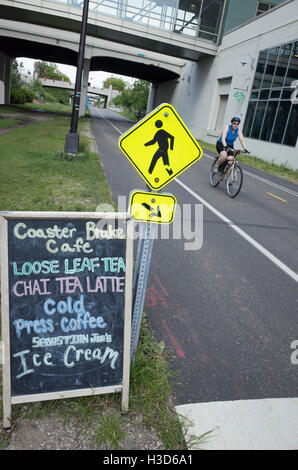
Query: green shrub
(17, 96)
(29, 95)
(21, 95)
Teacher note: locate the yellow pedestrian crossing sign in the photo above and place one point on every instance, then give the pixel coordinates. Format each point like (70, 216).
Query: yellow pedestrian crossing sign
(160, 146)
(152, 207)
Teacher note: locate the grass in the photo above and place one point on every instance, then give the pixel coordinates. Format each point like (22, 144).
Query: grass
(9, 122)
(49, 107)
(109, 431)
(37, 175)
(282, 171)
(46, 107)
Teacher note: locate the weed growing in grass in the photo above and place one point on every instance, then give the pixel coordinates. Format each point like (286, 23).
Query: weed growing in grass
(109, 431)
(151, 388)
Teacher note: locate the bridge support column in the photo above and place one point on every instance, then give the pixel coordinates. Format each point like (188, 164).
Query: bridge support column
(5, 77)
(109, 95)
(84, 89)
(151, 97)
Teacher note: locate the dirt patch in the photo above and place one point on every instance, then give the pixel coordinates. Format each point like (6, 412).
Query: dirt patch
(24, 118)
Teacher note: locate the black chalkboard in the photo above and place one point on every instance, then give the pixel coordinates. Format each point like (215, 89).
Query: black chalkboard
(66, 281)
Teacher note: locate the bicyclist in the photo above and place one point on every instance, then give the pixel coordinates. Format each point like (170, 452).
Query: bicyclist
(226, 142)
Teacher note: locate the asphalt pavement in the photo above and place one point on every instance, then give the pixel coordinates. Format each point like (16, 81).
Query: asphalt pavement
(222, 292)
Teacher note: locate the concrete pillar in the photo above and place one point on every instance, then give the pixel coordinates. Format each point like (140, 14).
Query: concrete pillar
(109, 95)
(8, 79)
(5, 76)
(151, 96)
(2, 78)
(2, 92)
(84, 89)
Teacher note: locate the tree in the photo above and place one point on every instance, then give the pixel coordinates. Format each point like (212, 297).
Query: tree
(21, 93)
(50, 70)
(15, 76)
(140, 92)
(117, 83)
(134, 97)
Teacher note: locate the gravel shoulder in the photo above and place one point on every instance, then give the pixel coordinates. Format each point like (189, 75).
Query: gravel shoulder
(54, 432)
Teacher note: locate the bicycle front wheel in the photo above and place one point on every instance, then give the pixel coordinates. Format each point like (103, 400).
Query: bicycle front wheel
(234, 181)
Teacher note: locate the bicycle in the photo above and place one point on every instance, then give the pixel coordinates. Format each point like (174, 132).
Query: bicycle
(231, 173)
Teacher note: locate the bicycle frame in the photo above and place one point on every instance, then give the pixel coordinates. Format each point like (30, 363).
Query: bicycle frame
(231, 173)
(230, 168)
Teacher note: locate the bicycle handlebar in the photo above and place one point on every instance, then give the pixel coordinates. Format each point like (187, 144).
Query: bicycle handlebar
(237, 151)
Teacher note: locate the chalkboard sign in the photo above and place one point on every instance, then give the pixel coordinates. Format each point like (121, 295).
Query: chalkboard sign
(66, 304)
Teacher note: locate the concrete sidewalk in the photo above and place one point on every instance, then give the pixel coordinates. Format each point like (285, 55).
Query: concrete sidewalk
(267, 424)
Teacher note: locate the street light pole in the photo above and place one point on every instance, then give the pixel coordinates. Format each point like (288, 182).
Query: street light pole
(72, 138)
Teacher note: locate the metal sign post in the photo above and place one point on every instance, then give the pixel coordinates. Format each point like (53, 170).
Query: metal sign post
(145, 247)
(72, 138)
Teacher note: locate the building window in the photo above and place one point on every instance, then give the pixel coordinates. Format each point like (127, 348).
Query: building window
(263, 7)
(271, 113)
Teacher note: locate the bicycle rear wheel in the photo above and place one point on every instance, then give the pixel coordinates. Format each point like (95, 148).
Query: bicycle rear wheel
(213, 177)
(234, 181)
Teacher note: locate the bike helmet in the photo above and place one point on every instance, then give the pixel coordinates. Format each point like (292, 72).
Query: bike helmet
(236, 119)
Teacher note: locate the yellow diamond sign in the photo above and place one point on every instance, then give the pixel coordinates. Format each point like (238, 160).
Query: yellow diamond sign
(160, 146)
(152, 207)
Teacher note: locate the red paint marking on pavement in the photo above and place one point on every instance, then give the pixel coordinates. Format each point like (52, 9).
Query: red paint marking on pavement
(174, 341)
(203, 358)
(161, 286)
(194, 336)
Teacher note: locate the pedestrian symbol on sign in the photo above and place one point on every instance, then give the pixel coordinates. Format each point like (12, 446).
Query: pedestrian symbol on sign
(157, 208)
(161, 137)
(170, 150)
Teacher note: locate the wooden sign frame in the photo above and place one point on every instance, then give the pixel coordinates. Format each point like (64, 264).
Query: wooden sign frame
(8, 399)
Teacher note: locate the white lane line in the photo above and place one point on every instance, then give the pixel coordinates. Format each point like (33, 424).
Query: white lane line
(241, 232)
(263, 180)
(113, 125)
(275, 185)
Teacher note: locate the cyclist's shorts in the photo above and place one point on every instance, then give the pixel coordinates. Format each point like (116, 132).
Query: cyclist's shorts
(220, 147)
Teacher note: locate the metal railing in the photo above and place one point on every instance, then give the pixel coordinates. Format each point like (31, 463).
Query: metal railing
(193, 18)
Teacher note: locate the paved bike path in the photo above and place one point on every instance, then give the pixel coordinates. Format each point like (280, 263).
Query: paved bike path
(229, 346)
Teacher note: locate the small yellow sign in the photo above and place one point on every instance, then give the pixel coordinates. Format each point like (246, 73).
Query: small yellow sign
(160, 146)
(152, 207)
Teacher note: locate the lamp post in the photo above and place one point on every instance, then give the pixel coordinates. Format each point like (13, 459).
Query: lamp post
(72, 138)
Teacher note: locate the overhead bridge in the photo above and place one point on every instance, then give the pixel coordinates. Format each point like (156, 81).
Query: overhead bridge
(185, 29)
(52, 83)
(145, 39)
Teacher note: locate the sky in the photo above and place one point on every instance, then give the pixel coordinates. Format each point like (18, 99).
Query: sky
(95, 78)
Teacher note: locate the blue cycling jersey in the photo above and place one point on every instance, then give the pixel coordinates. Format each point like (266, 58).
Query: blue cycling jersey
(231, 136)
